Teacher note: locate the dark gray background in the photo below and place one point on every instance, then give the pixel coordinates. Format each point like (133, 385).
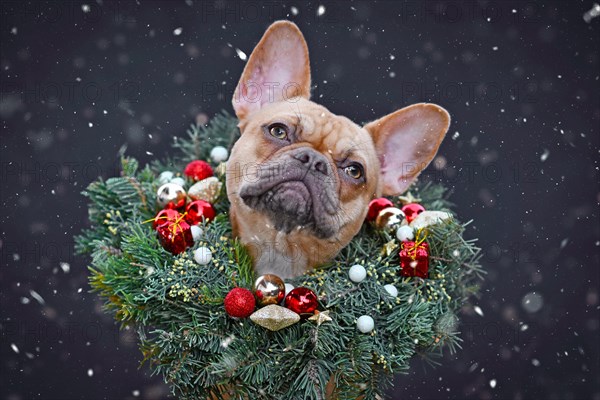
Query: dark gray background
(521, 80)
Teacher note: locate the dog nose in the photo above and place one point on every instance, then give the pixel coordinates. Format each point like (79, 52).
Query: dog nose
(313, 160)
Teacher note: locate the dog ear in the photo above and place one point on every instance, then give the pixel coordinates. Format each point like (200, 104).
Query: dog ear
(278, 69)
(406, 141)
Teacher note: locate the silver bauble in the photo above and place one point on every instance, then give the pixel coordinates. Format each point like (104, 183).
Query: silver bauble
(390, 218)
(169, 192)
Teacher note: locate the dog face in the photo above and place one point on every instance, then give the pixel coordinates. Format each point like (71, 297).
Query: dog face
(300, 177)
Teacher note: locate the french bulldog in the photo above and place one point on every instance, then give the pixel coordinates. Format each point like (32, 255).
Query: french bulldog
(300, 178)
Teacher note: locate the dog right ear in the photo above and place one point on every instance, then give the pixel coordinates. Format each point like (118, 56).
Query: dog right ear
(406, 141)
(278, 69)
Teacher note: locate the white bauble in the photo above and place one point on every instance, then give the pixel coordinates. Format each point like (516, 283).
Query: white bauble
(391, 289)
(165, 177)
(219, 154)
(178, 181)
(357, 273)
(365, 324)
(288, 288)
(196, 232)
(202, 255)
(405, 233)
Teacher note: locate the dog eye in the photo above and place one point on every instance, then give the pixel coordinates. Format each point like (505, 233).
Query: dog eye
(278, 130)
(354, 171)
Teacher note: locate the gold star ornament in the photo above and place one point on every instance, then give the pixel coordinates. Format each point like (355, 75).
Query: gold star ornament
(389, 247)
(409, 198)
(320, 317)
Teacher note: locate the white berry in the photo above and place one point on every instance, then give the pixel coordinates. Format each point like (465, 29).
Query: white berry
(179, 181)
(357, 273)
(165, 177)
(196, 232)
(391, 289)
(219, 154)
(405, 233)
(365, 324)
(288, 288)
(202, 255)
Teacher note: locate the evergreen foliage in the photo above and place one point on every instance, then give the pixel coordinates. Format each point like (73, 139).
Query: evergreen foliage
(176, 305)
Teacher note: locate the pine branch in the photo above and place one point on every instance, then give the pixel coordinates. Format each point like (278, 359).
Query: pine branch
(177, 305)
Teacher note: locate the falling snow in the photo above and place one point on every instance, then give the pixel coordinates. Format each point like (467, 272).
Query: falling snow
(545, 155)
(592, 13)
(66, 267)
(241, 54)
(37, 297)
(520, 157)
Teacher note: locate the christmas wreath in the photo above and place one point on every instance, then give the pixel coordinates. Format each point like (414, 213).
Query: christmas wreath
(165, 261)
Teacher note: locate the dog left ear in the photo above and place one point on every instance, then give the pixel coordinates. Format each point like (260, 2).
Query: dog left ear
(278, 69)
(406, 141)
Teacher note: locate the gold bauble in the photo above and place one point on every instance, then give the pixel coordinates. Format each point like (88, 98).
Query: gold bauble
(269, 289)
(427, 218)
(274, 317)
(207, 189)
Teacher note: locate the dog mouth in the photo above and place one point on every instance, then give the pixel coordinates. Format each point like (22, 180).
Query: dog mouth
(288, 203)
(292, 205)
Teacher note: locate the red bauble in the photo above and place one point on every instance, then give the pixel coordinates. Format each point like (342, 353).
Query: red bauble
(164, 217)
(197, 210)
(198, 170)
(176, 206)
(411, 211)
(175, 236)
(239, 303)
(375, 206)
(414, 260)
(302, 301)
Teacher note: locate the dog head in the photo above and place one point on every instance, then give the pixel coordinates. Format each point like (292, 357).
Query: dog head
(300, 178)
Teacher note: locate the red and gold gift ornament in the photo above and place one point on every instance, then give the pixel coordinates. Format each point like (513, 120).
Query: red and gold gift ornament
(178, 224)
(414, 259)
(174, 233)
